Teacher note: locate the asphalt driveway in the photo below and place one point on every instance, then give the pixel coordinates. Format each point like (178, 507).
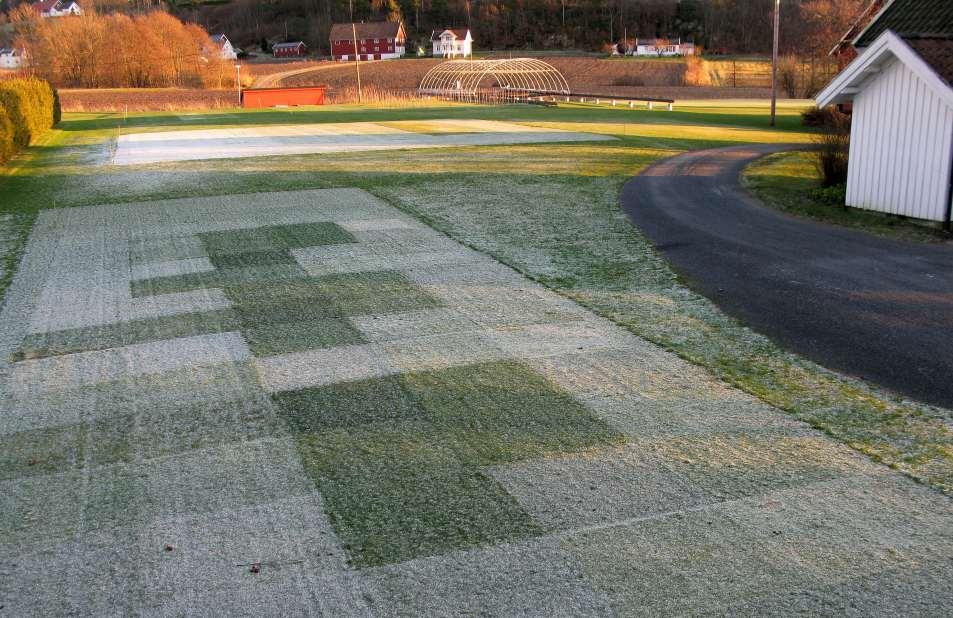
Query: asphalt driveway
(867, 306)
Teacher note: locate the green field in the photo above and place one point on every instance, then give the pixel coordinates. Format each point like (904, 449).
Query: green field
(452, 373)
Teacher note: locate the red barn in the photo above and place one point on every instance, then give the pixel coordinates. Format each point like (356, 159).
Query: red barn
(287, 50)
(377, 40)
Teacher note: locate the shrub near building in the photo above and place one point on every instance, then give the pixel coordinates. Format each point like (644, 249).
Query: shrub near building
(27, 110)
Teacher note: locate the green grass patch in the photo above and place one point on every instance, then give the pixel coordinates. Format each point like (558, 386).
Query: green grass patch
(790, 182)
(125, 434)
(55, 343)
(221, 278)
(271, 339)
(274, 238)
(400, 460)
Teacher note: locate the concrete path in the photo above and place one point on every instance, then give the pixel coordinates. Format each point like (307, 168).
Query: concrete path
(871, 307)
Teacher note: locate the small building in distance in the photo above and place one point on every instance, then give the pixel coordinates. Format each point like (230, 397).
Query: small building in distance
(56, 8)
(289, 50)
(663, 47)
(224, 46)
(901, 90)
(451, 43)
(376, 40)
(10, 59)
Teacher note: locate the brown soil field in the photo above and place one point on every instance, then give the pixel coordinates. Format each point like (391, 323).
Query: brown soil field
(145, 99)
(624, 77)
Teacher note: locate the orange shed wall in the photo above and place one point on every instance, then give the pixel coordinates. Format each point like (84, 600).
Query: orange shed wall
(270, 97)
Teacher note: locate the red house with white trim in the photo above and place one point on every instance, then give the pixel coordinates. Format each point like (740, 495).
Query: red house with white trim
(287, 50)
(376, 40)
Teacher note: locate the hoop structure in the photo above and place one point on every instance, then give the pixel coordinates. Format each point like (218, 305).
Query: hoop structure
(463, 78)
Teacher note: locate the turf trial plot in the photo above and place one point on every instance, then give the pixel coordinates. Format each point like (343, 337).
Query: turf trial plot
(138, 148)
(388, 422)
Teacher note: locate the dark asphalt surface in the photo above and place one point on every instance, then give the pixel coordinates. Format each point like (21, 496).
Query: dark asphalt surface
(870, 307)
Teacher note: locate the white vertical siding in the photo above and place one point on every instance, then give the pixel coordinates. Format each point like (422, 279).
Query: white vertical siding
(900, 146)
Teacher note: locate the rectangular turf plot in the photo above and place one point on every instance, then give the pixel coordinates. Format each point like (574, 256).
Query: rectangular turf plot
(400, 460)
(138, 148)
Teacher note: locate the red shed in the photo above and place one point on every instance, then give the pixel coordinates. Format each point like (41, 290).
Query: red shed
(287, 50)
(273, 97)
(376, 40)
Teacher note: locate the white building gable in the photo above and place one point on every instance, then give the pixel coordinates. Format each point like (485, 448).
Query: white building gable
(452, 42)
(225, 46)
(901, 142)
(11, 58)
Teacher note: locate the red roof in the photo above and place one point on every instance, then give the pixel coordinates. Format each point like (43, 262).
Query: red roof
(44, 6)
(368, 30)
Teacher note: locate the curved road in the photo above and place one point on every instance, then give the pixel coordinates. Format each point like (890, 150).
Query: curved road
(867, 306)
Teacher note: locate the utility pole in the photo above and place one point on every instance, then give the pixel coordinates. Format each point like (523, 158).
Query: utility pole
(774, 61)
(238, 82)
(357, 63)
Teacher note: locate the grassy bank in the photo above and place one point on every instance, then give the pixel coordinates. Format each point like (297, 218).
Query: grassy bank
(791, 183)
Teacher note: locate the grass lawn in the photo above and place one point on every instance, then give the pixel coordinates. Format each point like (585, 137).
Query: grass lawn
(549, 211)
(788, 181)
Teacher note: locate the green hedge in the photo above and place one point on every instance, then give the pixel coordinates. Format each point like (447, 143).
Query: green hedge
(7, 147)
(28, 108)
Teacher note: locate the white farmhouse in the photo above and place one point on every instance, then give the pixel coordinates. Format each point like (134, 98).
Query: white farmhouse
(56, 8)
(663, 47)
(900, 88)
(224, 46)
(10, 59)
(452, 42)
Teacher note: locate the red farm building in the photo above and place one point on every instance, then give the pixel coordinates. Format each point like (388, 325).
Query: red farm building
(288, 50)
(379, 40)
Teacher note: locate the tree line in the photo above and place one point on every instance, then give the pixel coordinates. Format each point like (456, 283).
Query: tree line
(148, 49)
(809, 27)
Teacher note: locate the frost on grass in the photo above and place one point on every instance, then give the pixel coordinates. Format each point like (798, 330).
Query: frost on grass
(582, 246)
(313, 382)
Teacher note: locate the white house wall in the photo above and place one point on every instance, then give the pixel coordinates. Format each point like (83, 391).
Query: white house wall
(900, 146)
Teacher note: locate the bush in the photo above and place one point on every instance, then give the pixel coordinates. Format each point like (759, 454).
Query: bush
(57, 107)
(820, 116)
(835, 195)
(833, 150)
(29, 109)
(7, 146)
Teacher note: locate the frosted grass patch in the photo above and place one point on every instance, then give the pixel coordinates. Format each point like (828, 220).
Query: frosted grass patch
(143, 148)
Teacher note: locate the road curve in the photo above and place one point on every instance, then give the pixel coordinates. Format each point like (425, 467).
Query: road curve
(871, 307)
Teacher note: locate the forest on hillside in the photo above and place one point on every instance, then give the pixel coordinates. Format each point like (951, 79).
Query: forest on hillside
(720, 26)
(809, 27)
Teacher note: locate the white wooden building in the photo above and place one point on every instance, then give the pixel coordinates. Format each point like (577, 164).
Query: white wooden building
(225, 48)
(452, 43)
(57, 8)
(663, 47)
(11, 59)
(901, 142)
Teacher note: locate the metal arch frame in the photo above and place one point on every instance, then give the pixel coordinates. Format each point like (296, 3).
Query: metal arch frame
(518, 75)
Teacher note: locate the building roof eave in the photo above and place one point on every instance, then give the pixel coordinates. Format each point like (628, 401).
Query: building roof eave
(849, 82)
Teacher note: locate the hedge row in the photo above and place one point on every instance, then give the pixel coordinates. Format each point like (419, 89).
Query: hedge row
(28, 108)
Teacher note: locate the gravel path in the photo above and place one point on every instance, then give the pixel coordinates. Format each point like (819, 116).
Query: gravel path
(163, 476)
(864, 305)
